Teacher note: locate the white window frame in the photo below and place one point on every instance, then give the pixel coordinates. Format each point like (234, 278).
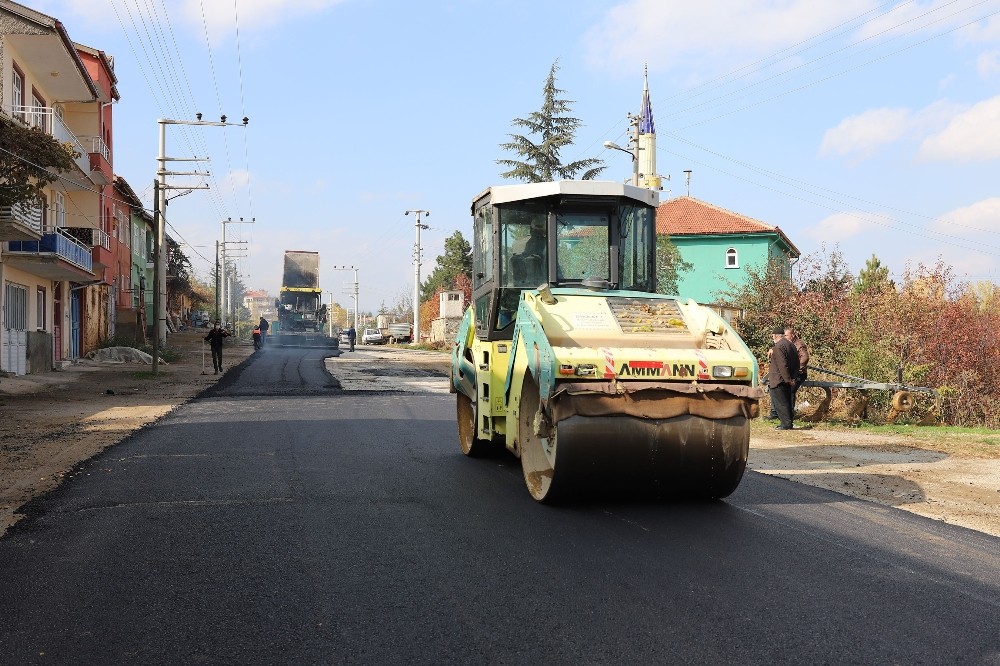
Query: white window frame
(17, 92)
(732, 258)
(58, 209)
(15, 307)
(41, 296)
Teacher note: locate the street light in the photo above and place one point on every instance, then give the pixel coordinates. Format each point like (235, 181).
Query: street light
(635, 160)
(416, 273)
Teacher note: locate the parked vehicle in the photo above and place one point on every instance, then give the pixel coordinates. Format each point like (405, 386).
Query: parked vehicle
(345, 339)
(372, 336)
(400, 332)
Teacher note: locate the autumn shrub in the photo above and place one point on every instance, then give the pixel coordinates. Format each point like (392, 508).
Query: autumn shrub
(928, 331)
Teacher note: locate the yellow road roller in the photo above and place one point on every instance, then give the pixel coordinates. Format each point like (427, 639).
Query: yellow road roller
(569, 358)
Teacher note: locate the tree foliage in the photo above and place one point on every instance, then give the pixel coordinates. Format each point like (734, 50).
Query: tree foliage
(26, 155)
(874, 277)
(927, 331)
(540, 160)
(669, 265)
(456, 260)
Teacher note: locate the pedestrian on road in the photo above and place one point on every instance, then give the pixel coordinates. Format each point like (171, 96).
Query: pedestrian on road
(264, 325)
(256, 338)
(781, 376)
(792, 336)
(352, 335)
(214, 339)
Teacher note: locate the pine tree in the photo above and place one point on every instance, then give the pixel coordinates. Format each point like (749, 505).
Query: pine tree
(456, 260)
(541, 160)
(874, 277)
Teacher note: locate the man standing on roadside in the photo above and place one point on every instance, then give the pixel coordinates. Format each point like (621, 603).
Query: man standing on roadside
(792, 336)
(214, 339)
(352, 335)
(781, 376)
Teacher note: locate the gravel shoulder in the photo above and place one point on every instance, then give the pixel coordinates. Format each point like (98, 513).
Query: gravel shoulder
(51, 423)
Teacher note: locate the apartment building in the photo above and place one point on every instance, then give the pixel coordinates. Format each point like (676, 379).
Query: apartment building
(60, 262)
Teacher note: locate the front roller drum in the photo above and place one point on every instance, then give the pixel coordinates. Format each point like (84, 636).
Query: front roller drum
(625, 456)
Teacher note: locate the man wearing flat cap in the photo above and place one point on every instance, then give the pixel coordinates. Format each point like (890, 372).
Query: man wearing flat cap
(781, 376)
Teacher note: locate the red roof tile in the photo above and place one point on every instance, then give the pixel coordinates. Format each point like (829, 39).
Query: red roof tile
(688, 216)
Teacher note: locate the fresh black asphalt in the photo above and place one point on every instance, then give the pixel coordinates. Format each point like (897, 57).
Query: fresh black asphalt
(278, 519)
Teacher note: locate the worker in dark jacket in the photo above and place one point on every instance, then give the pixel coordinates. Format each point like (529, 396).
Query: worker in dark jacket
(781, 376)
(264, 325)
(214, 339)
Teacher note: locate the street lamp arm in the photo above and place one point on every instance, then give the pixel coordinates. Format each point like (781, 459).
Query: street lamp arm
(615, 146)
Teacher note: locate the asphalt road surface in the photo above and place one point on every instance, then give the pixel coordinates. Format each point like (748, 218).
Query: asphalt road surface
(289, 517)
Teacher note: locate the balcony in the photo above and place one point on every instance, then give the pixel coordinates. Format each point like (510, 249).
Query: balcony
(98, 243)
(20, 222)
(101, 170)
(55, 256)
(46, 119)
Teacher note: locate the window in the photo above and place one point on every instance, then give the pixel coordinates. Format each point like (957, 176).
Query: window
(731, 259)
(583, 246)
(40, 309)
(38, 116)
(15, 307)
(58, 209)
(17, 93)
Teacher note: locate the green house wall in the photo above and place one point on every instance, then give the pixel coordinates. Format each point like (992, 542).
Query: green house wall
(707, 255)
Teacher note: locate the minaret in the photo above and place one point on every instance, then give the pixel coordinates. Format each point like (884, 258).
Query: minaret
(646, 140)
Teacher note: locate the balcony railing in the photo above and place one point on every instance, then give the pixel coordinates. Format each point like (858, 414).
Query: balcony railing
(56, 241)
(46, 119)
(97, 145)
(89, 236)
(27, 217)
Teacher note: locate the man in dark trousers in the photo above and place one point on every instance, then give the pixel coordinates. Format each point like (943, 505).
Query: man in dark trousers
(352, 335)
(781, 376)
(264, 325)
(214, 339)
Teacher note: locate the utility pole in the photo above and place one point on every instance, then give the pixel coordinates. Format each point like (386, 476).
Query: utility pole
(354, 293)
(416, 272)
(161, 204)
(218, 280)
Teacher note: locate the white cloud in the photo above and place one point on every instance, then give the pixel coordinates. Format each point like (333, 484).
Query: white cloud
(982, 216)
(988, 64)
(715, 34)
(971, 135)
(841, 226)
(861, 134)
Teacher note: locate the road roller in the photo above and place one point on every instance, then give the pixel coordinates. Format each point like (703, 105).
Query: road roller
(569, 358)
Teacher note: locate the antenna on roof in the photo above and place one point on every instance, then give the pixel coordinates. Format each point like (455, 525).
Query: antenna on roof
(687, 177)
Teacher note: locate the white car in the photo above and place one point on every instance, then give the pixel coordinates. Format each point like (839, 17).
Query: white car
(372, 336)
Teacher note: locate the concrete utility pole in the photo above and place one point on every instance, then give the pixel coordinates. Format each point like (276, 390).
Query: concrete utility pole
(228, 310)
(161, 205)
(416, 272)
(354, 293)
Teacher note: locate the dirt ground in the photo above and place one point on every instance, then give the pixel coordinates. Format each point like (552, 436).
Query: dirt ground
(50, 423)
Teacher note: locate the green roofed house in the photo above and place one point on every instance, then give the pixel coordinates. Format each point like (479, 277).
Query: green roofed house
(720, 245)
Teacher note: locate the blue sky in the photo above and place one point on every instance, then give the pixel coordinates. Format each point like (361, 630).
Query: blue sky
(869, 126)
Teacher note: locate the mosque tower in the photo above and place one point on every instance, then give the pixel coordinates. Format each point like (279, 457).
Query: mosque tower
(646, 141)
